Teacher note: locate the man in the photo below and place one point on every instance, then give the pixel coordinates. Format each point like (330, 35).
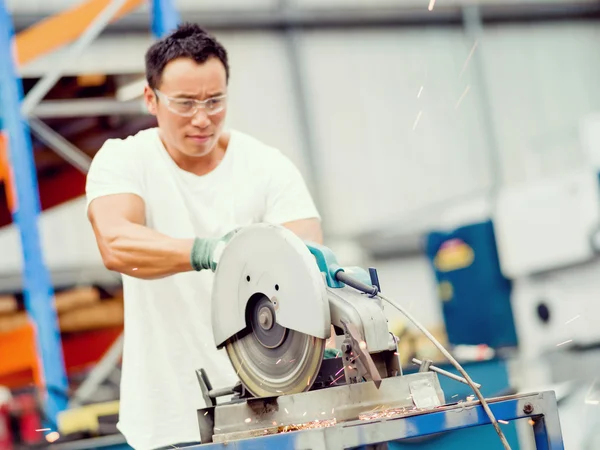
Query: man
(159, 203)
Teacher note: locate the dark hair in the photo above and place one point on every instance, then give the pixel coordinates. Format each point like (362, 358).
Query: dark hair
(187, 41)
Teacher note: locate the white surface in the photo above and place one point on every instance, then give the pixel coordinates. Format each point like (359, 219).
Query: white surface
(270, 256)
(395, 147)
(572, 298)
(590, 138)
(538, 98)
(547, 224)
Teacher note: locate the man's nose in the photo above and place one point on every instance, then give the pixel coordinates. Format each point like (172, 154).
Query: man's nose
(200, 119)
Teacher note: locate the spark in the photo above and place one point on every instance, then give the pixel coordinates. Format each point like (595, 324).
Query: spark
(292, 360)
(43, 429)
(531, 422)
(362, 345)
(304, 414)
(308, 382)
(431, 5)
(455, 396)
(332, 409)
(218, 429)
(323, 413)
(468, 59)
(563, 343)
(278, 361)
(336, 379)
(420, 92)
(286, 411)
(587, 399)
(460, 99)
(174, 446)
(242, 365)
(206, 413)
(396, 353)
(135, 268)
(503, 422)
(274, 423)
(417, 120)
(248, 420)
(571, 320)
(336, 374)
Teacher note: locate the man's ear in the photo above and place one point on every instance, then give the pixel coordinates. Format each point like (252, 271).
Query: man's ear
(150, 100)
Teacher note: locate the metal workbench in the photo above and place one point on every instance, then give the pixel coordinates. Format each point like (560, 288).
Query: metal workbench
(540, 409)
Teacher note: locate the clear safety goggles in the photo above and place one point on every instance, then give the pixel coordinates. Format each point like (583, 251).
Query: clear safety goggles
(188, 107)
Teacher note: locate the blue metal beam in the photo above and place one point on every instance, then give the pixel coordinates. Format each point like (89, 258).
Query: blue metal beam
(165, 17)
(37, 285)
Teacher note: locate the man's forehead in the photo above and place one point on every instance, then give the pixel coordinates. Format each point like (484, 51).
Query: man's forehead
(185, 76)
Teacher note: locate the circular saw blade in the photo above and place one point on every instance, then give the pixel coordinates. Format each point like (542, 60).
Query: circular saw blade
(289, 368)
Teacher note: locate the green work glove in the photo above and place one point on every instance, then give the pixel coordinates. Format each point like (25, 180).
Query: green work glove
(205, 250)
(331, 353)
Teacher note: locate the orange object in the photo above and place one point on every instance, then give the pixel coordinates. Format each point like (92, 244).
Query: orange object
(62, 28)
(6, 174)
(19, 363)
(18, 354)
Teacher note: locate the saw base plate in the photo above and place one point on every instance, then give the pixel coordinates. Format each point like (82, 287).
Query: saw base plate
(324, 407)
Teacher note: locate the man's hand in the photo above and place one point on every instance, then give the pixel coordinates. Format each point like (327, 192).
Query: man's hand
(206, 252)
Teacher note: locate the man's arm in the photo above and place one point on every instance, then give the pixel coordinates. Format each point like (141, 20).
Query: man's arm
(307, 229)
(129, 247)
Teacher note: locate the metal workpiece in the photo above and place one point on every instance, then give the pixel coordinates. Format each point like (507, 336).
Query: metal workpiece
(322, 408)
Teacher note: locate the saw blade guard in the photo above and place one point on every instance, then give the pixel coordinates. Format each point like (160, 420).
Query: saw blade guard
(272, 261)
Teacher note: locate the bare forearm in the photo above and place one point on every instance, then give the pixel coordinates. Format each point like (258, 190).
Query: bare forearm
(141, 252)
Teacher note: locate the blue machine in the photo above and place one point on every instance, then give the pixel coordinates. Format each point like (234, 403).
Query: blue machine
(475, 295)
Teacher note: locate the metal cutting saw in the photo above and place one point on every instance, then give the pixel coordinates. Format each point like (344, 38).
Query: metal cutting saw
(275, 301)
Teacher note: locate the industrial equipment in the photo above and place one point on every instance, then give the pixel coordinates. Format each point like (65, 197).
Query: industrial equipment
(275, 300)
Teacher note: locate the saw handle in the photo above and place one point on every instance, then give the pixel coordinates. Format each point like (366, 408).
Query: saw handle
(356, 284)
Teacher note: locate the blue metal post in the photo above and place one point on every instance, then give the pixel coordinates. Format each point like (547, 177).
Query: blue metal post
(165, 17)
(38, 289)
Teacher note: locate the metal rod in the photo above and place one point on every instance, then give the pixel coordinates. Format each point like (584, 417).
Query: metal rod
(306, 123)
(42, 87)
(93, 107)
(60, 145)
(473, 24)
(445, 373)
(101, 372)
(216, 393)
(263, 19)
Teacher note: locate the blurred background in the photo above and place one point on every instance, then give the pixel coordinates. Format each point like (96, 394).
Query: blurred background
(454, 146)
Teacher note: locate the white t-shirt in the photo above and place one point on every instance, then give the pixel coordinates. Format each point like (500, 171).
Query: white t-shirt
(168, 333)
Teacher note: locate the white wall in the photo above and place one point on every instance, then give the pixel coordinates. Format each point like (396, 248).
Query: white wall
(543, 82)
(386, 144)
